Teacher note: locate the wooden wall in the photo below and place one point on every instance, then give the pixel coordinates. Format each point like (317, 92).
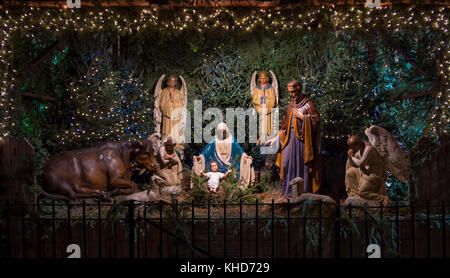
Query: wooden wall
(434, 178)
(16, 157)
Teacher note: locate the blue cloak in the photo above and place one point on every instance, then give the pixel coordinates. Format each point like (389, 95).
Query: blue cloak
(210, 154)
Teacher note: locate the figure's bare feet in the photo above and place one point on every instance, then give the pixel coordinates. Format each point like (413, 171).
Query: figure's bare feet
(105, 196)
(261, 195)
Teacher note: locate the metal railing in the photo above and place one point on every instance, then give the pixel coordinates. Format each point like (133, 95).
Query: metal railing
(223, 230)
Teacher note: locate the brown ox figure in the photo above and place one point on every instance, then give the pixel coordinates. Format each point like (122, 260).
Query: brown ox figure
(98, 172)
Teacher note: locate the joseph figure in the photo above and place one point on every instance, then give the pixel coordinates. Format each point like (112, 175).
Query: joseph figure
(299, 137)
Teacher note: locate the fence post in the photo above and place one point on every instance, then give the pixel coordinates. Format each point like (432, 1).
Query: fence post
(366, 230)
(381, 231)
(304, 232)
(413, 239)
(397, 225)
(273, 229)
(176, 231)
(288, 226)
(131, 227)
(8, 231)
(444, 246)
(99, 223)
(138, 234)
(84, 229)
(53, 230)
(224, 228)
(337, 231)
(256, 228)
(192, 229)
(320, 228)
(23, 232)
(240, 229)
(145, 231)
(69, 224)
(209, 227)
(115, 232)
(38, 220)
(428, 230)
(160, 229)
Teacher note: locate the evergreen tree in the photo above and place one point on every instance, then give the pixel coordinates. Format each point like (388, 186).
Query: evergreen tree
(223, 82)
(106, 105)
(346, 101)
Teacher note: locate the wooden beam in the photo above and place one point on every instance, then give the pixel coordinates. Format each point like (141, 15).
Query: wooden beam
(143, 3)
(216, 3)
(49, 51)
(409, 60)
(417, 95)
(27, 94)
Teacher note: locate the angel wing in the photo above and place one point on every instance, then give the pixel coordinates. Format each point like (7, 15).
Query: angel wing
(183, 90)
(274, 86)
(389, 149)
(155, 139)
(184, 112)
(253, 84)
(157, 115)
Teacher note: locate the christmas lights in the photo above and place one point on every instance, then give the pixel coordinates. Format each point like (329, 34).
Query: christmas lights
(388, 18)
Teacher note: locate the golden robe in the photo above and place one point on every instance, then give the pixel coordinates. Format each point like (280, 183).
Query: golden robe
(171, 118)
(264, 100)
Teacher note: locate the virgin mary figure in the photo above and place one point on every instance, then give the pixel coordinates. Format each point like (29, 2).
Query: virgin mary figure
(226, 151)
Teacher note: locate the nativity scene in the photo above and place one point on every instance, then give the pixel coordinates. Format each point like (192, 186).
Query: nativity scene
(176, 125)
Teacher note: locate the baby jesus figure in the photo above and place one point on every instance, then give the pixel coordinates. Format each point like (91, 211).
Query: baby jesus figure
(214, 177)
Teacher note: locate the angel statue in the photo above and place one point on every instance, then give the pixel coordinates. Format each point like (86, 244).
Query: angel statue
(264, 98)
(367, 164)
(170, 110)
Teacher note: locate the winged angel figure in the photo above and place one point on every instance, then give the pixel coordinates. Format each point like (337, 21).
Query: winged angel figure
(366, 170)
(264, 98)
(170, 109)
